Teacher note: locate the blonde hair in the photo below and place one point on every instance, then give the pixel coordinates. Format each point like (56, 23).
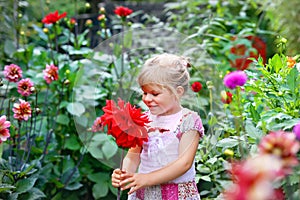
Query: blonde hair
(167, 70)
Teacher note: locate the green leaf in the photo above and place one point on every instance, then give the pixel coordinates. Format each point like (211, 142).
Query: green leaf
(99, 177)
(109, 149)
(252, 131)
(6, 187)
(276, 63)
(33, 194)
(100, 190)
(23, 185)
(63, 119)
(74, 186)
(128, 39)
(72, 143)
(292, 79)
(9, 47)
(206, 178)
(227, 143)
(76, 108)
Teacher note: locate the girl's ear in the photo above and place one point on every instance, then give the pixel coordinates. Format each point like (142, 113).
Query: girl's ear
(180, 91)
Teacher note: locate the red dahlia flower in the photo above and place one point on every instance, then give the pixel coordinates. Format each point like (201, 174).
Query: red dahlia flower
(123, 11)
(242, 62)
(52, 18)
(196, 86)
(125, 123)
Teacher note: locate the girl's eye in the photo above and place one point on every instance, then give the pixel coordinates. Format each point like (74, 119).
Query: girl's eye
(155, 94)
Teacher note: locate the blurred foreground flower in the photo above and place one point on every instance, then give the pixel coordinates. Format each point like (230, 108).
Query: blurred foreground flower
(122, 11)
(234, 79)
(22, 110)
(52, 18)
(25, 87)
(253, 178)
(124, 122)
(50, 73)
(196, 86)
(12, 73)
(4, 132)
(282, 145)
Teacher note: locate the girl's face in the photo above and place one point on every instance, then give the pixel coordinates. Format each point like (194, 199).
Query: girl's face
(160, 100)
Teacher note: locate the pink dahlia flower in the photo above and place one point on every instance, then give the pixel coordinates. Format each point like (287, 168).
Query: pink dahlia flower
(12, 73)
(22, 110)
(50, 73)
(234, 79)
(25, 87)
(4, 132)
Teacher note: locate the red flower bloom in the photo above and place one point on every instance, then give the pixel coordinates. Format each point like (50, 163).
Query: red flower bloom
(52, 18)
(196, 86)
(240, 50)
(123, 11)
(12, 72)
(22, 110)
(50, 73)
(25, 87)
(4, 132)
(125, 123)
(226, 97)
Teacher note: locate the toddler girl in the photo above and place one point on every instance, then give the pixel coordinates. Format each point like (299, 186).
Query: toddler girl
(163, 168)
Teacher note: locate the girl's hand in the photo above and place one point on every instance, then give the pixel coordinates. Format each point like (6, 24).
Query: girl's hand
(116, 177)
(133, 181)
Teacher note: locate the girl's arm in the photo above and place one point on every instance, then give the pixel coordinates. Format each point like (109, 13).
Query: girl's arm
(132, 160)
(130, 164)
(187, 149)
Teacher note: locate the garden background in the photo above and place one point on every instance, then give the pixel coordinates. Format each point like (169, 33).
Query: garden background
(58, 71)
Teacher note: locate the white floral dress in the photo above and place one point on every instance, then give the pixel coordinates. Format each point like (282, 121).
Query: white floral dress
(162, 148)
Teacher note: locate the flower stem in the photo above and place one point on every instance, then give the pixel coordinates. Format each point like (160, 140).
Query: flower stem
(121, 164)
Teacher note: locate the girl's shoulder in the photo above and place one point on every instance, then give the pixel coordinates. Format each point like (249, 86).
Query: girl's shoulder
(191, 121)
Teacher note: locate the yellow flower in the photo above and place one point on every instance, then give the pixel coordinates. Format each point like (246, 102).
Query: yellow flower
(45, 30)
(228, 152)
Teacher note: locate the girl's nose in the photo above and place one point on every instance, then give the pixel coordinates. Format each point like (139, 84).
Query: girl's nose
(147, 97)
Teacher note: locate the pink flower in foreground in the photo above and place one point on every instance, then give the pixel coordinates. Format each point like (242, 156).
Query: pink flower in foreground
(12, 72)
(253, 178)
(282, 145)
(22, 110)
(296, 130)
(4, 132)
(50, 73)
(25, 87)
(234, 79)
